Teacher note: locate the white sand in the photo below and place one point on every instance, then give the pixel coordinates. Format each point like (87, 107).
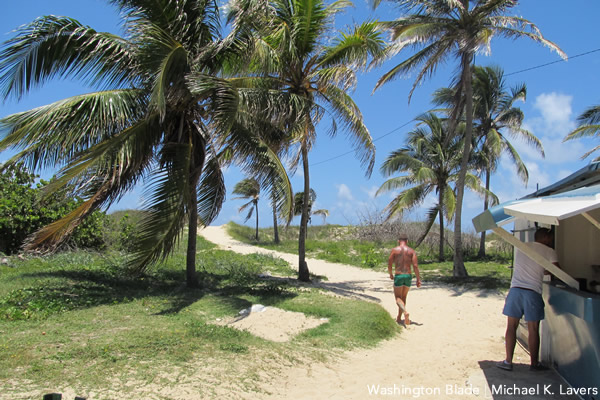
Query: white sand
(273, 323)
(453, 331)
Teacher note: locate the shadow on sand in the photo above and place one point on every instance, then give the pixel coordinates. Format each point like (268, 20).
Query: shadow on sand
(520, 383)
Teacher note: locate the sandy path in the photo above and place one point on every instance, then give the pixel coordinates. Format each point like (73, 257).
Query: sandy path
(450, 346)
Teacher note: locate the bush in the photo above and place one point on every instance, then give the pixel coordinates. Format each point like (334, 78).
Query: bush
(23, 211)
(121, 229)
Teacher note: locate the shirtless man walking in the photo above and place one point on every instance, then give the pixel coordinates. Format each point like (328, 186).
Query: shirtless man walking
(403, 257)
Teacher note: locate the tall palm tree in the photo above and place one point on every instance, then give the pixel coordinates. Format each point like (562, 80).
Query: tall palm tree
(156, 116)
(431, 160)
(441, 29)
(495, 117)
(295, 56)
(249, 188)
(589, 126)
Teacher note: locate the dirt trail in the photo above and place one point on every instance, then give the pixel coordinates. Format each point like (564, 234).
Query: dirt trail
(447, 353)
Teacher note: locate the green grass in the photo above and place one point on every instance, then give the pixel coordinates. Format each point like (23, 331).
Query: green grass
(79, 320)
(482, 275)
(323, 242)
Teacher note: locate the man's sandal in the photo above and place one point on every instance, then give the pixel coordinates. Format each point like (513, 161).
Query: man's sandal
(504, 365)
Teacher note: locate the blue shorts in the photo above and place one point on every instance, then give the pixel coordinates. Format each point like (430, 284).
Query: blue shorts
(526, 302)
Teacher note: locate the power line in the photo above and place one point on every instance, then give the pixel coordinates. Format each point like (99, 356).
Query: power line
(352, 151)
(512, 73)
(553, 62)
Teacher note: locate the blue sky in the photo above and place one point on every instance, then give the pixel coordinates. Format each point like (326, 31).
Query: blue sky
(557, 94)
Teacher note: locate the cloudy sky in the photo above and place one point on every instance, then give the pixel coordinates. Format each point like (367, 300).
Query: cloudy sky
(556, 95)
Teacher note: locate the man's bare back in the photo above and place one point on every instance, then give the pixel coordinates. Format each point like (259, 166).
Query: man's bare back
(403, 258)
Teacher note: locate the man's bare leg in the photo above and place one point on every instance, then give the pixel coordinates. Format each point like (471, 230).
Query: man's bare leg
(533, 328)
(399, 302)
(511, 338)
(400, 293)
(405, 290)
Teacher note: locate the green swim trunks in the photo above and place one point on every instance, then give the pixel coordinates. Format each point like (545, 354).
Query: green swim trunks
(402, 280)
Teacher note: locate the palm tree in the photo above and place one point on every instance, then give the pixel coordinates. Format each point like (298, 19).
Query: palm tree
(431, 160)
(589, 125)
(295, 57)
(248, 188)
(440, 29)
(160, 115)
(494, 116)
(299, 205)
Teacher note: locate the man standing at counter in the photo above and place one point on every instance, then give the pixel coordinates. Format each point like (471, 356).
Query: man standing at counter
(525, 298)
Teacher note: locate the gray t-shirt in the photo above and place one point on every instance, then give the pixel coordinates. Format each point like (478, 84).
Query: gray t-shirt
(527, 273)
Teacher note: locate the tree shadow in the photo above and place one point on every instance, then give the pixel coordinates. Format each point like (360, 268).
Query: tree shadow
(351, 289)
(81, 289)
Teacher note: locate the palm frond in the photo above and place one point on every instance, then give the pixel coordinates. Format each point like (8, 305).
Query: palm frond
(53, 234)
(432, 214)
(167, 197)
(395, 183)
(346, 110)
(54, 133)
(356, 47)
(516, 27)
(54, 46)
(449, 201)
(406, 200)
(211, 190)
(172, 64)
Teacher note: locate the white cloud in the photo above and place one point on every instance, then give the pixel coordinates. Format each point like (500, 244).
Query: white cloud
(556, 113)
(344, 192)
(370, 191)
(554, 122)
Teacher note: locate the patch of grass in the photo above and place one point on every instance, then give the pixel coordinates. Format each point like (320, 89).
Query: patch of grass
(482, 275)
(79, 320)
(351, 322)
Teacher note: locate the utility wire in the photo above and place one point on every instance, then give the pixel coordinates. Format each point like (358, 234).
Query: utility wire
(352, 151)
(553, 62)
(512, 73)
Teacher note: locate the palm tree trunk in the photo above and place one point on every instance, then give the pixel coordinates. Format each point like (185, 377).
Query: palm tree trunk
(190, 262)
(196, 167)
(256, 210)
(275, 229)
(440, 202)
(303, 273)
(459, 265)
(481, 253)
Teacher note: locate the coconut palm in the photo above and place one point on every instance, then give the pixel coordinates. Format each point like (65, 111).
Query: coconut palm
(299, 205)
(294, 52)
(431, 160)
(589, 126)
(441, 29)
(155, 118)
(495, 118)
(248, 188)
